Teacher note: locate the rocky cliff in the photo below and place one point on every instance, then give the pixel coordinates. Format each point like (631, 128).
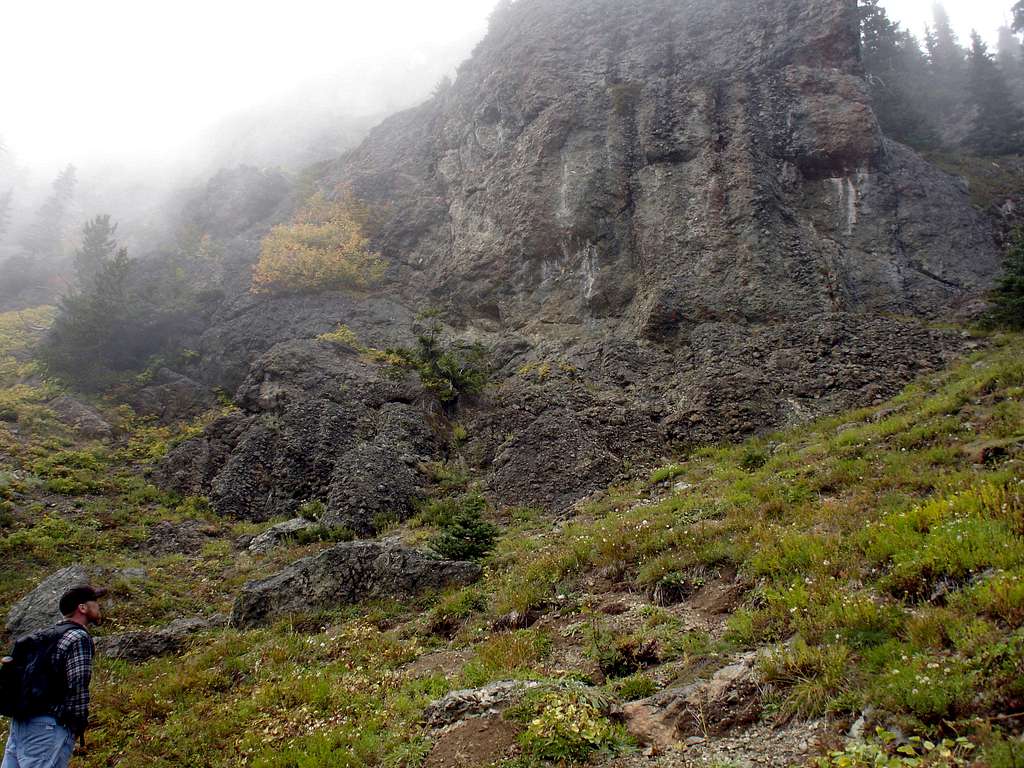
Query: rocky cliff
(672, 222)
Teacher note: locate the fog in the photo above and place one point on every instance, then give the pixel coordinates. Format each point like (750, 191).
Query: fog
(145, 98)
(986, 16)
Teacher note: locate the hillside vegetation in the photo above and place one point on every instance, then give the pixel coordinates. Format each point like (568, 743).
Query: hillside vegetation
(873, 562)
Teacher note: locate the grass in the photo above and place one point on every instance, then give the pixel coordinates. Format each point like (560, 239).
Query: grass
(880, 566)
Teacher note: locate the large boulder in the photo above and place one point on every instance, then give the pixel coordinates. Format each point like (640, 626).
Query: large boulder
(81, 417)
(147, 644)
(38, 609)
(345, 574)
(729, 698)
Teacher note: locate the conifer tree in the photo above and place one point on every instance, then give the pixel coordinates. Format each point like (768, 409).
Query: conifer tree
(45, 238)
(98, 247)
(897, 73)
(1010, 58)
(946, 63)
(1008, 296)
(998, 122)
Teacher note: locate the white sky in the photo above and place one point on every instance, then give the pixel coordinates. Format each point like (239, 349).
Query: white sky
(117, 79)
(135, 77)
(984, 15)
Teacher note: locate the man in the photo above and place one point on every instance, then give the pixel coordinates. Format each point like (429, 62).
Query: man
(47, 740)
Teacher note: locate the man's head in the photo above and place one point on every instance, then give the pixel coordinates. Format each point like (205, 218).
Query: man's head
(79, 604)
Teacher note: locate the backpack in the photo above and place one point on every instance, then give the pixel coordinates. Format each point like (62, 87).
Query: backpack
(32, 683)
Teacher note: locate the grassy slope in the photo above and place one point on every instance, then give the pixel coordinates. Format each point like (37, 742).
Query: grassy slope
(880, 566)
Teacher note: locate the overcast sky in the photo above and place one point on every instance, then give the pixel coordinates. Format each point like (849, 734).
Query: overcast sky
(128, 79)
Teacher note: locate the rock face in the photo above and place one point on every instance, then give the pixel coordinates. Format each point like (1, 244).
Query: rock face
(38, 609)
(671, 220)
(320, 423)
(346, 574)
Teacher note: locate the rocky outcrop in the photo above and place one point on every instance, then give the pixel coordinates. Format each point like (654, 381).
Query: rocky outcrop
(476, 702)
(144, 645)
(276, 535)
(185, 538)
(86, 421)
(171, 396)
(730, 698)
(320, 422)
(346, 574)
(38, 609)
(671, 221)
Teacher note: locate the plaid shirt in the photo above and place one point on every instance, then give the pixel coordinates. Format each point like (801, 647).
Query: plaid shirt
(74, 652)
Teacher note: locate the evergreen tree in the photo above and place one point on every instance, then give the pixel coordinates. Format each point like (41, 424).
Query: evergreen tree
(897, 73)
(998, 123)
(91, 337)
(1018, 16)
(1010, 58)
(947, 67)
(45, 238)
(98, 247)
(1008, 296)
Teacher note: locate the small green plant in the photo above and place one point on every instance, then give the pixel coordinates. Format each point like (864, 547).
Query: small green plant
(753, 458)
(319, 533)
(312, 510)
(635, 687)
(569, 728)
(885, 750)
(342, 336)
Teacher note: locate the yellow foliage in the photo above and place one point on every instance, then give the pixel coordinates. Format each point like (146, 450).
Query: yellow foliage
(322, 249)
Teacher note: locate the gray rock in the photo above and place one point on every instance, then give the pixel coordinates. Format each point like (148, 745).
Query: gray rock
(171, 396)
(474, 702)
(143, 645)
(730, 698)
(38, 609)
(276, 535)
(81, 417)
(185, 538)
(346, 574)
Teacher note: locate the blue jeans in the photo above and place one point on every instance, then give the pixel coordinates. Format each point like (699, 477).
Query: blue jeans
(41, 742)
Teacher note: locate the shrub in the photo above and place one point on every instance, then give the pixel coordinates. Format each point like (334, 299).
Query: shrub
(636, 687)
(1008, 295)
(447, 369)
(467, 536)
(342, 335)
(569, 728)
(322, 249)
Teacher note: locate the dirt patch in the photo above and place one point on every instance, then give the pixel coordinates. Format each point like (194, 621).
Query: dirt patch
(447, 663)
(476, 742)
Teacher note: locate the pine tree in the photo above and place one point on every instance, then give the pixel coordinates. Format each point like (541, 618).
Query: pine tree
(998, 123)
(1010, 58)
(1018, 16)
(897, 71)
(98, 247)
(1008, 296)
(45, 239)
(948, 71)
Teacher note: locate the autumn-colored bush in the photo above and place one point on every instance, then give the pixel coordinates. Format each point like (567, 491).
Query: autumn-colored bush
(323, 248)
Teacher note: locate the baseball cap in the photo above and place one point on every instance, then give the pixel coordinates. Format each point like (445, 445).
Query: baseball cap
(75, 596)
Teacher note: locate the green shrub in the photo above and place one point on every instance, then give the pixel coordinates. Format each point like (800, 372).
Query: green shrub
(465, 537)
(569, 728)
(636, 687)
(449, 370)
